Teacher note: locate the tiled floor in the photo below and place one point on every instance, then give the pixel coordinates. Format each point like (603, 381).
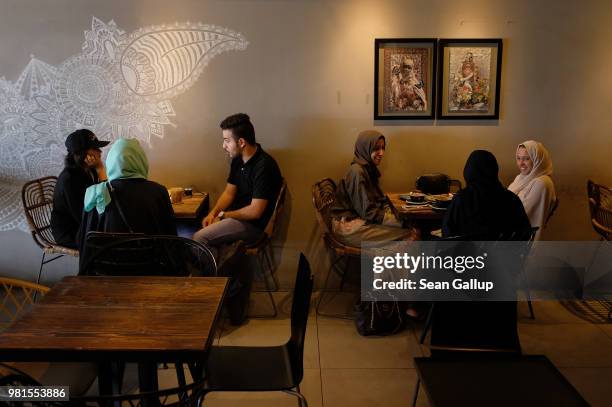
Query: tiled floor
(345, 369)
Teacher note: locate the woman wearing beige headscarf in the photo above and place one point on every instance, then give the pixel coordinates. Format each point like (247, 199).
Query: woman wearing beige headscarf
(534, 184)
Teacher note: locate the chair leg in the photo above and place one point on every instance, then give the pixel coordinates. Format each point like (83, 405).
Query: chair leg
(531, 313)
(345, 273)
(268, 254)
(415, 397)
(180, 378)
(326, 283)
(325, 288)
(271, 262)
(260, 261)
(302, 402)
(42, 263)
(427, 325)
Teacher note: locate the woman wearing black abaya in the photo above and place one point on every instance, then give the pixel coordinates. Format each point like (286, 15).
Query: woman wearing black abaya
(481, 211)
(484, 207)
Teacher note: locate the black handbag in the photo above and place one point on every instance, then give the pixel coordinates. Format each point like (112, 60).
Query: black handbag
(378, 318)
(433, 184)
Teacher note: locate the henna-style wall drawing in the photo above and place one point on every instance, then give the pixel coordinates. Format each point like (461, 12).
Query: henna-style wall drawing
(119, 85)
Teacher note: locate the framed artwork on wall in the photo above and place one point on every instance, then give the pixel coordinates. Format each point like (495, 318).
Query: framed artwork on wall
(469, 78)
(404, 78)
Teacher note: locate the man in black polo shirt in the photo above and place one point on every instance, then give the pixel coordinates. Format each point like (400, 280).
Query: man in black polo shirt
(247, 203)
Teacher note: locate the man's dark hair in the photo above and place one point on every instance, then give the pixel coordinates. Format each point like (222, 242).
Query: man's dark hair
(241, 127)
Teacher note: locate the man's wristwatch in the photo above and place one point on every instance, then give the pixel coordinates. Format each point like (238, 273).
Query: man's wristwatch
(221, 214)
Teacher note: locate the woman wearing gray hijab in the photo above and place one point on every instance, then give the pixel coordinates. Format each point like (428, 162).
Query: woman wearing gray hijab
(361, 211)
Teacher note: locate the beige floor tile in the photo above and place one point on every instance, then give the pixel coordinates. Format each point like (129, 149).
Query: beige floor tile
(369, 387)
(259, 304)
(342, 347)
(337, 302)
(592, 383)
(548, 312)
(261, 332)
(166, 378)
(568, 345)
(311, 389)
(606, 328)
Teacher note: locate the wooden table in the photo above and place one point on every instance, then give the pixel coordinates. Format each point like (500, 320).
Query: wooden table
(159, 319)
(193, 207)
(120, 319)
(190, 212)
(414, 212)
(424, 218)
(528, 380)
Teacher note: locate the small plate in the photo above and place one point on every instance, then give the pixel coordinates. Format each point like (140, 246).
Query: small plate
(416, 203)
(437, 208)
(408, 198)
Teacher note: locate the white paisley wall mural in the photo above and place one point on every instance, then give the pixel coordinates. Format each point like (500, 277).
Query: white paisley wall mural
(119, 85)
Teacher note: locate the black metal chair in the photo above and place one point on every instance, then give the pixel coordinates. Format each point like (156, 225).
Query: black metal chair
(187, 395)
(272, 368)
(37, 199)
(134, 254)
(473, 339)
(128, 254)
(527, 236)
(485, 350)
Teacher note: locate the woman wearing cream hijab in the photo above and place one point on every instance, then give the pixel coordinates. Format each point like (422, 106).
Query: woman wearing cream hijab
(534, 184)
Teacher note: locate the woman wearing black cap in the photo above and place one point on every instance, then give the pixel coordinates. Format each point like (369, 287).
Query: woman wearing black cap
(83, 168)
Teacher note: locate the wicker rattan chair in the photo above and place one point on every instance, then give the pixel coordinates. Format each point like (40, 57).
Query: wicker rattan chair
(262, 249)
(600, 206)
(323, 197)
(37, 198)
(16, 296)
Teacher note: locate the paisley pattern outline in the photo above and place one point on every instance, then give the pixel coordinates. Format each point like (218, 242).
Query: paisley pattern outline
(119, 85)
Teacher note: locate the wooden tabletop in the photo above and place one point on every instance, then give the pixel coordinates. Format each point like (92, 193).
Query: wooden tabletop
(131, 319)
(192, 207)
(414, 212)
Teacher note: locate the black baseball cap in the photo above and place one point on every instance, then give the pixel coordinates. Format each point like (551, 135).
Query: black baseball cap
(82, 140)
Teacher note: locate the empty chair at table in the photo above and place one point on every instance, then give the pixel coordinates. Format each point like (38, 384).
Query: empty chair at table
(128, 201)
(267, 368)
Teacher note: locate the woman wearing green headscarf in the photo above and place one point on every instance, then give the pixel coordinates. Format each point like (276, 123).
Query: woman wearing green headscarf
(361, 211)
(127, 202)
